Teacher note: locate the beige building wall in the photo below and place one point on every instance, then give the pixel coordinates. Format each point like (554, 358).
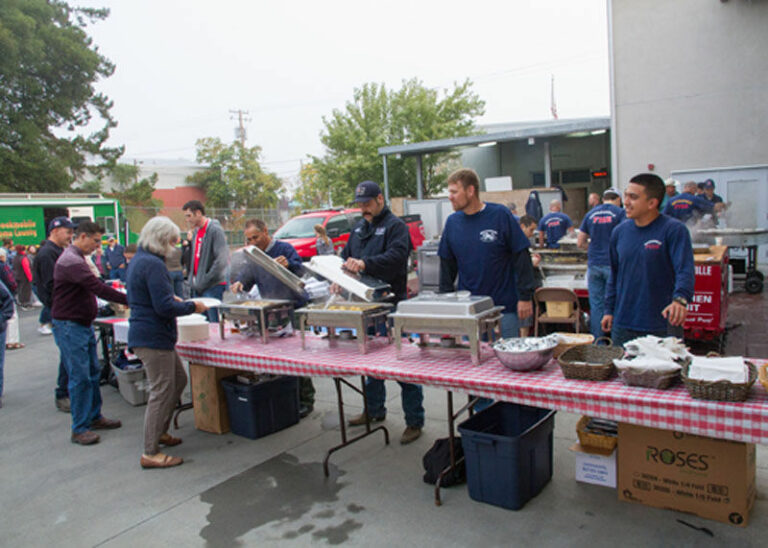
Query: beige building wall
(690, 84)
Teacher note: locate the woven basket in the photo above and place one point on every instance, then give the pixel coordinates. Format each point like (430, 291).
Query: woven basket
(595, 441)
(719, 390)
(650, 379)
(584, 338)
(763, 375)
(589, 362)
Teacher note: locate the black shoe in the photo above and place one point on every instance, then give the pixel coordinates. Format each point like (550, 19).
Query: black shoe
(305, 409)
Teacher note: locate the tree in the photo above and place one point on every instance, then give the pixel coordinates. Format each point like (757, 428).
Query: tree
(378, 117)
(234, 177)
(129, 189)
(48, 67)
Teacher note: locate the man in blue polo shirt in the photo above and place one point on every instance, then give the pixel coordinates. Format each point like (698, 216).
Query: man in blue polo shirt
(554, 225)
(687, 205)
(709, 193)
(484, 245)
(652, 271)
(597, 226)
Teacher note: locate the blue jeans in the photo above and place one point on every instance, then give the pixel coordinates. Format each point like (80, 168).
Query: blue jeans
(45, 315)
(412, 397)
(62, 381)
(117, 274)
(177, 279)
(620, 335)
(596, 283)
(3, 333)
(77, 345)
(216, 292)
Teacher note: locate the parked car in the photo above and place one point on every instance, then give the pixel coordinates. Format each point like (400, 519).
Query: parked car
(300, 232)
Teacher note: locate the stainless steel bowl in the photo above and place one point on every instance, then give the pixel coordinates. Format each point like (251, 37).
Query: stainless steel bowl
(526, 354)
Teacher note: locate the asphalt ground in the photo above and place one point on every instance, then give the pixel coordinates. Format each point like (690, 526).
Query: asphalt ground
(234, 491)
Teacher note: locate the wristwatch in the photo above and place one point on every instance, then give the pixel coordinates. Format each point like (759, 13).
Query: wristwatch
(680, 300)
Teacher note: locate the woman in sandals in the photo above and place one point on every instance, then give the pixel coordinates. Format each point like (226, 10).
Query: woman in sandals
(152, 335)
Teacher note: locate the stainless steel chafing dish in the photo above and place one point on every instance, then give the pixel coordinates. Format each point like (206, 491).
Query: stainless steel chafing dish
(288, 278)
(732, 237)
(457, 314)
(357, 315)
(255, 314)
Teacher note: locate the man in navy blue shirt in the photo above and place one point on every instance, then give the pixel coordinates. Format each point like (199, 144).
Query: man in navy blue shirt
(597, 226)
(114, 260)
(484, 245)
(379, 246)
(652, 273)
(709, 192)
(554, 225)
(687, 205)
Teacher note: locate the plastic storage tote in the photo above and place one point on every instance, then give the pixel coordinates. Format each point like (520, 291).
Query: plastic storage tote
(133, 385)
(256, 410)
(508, 453)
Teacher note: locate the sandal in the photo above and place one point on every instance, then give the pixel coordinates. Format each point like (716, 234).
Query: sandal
(160, 460)
(168, 440)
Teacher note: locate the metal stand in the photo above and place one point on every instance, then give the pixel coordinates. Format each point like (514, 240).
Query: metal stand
(471, 401)
(368, 430)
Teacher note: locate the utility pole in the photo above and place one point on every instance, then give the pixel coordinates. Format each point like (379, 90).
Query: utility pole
(242, 117)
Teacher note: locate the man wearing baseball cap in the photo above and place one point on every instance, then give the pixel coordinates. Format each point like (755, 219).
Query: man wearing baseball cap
(60, 231)
(688, 205)
(709, 192)
(597, 227)
(670, 191)
(379, 246)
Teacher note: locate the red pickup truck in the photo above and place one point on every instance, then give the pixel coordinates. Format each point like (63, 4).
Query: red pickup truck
(300, 232)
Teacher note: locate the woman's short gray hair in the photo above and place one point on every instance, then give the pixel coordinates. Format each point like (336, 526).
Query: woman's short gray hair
(159, 235)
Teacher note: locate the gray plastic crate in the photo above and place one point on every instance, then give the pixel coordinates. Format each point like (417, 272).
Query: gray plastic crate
(133, 385)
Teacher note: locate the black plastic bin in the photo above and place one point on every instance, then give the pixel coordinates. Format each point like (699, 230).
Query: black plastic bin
(508, 453)
(256, 410)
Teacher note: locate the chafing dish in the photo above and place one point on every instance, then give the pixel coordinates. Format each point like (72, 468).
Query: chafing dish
(288, 278)
(362, 286)
(357, 315)
(457, 314)
(256, 314)
(733, 237)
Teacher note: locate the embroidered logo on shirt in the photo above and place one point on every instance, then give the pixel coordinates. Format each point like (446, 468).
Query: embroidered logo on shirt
(380, 231)
(652, 244)
(489, 235)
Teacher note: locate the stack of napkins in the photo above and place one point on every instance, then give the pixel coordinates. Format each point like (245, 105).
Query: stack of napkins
(654, 354)
(719, 369)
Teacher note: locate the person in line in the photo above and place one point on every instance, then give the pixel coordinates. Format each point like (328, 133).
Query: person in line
(210, 255)
(22, 272)
(175, 269)
(12, 330)
(554, 225)
(323, 243)
(60, 232)
(709, 192)
(152, 335)
(75, 289)
(114, 257)
(6, 312)
(10, 250)
(513, 210)
(593, 200)
(687, 206)
(186, 254)
(256, 233)
(595, 237)
(378, 246)
(98, 261)
(670, 191)
(652, 273)
(528, 225)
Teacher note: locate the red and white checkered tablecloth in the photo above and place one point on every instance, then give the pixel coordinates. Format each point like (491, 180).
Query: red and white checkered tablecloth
(451, 369)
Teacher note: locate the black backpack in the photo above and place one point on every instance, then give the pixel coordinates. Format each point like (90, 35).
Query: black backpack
(438, 458)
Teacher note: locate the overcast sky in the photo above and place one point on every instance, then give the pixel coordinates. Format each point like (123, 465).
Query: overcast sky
(183, 65)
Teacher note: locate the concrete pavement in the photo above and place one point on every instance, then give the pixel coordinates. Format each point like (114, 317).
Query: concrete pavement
(236, 491)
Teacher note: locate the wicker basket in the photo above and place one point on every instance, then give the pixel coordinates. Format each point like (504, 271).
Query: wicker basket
(589, 362)
(583, 338)
(594, 441)
(645, 378)
(719, 390)
(763, 375)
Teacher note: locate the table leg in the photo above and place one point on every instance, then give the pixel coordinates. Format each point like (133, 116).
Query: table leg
(474, 347)
(362, 335)
(105, 339)
(368, 430)
(302, 327)
(222, 322)
(471, 401)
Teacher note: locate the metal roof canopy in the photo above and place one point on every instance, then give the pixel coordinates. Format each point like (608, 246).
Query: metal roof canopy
(496, 133)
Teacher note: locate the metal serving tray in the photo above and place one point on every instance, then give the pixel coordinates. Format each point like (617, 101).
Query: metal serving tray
(733, 237)
(445, 304)
(359, 316)
(255, 313)
(288, 278)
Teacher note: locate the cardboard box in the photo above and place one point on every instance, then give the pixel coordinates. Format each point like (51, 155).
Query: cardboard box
(559, 309)
(711, 478)
(595, 467)
(208, 399)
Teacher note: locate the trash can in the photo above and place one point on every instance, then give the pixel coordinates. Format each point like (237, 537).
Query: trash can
(132, 384)
(261, 408)
(508, 453)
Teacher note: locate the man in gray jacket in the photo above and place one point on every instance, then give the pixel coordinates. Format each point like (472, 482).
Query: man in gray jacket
(210, 256)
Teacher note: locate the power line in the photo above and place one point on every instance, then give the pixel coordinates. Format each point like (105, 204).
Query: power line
(242, 116)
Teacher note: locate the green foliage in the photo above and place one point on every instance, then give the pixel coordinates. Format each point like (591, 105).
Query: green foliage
(131, 190)
(234, 177)
(378, 117)
(96, 186)
(48, 67)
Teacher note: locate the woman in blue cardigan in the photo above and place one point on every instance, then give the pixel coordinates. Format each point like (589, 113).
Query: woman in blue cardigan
(152, 335)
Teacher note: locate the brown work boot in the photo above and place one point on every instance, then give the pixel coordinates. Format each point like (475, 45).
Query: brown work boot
(411, 433)
(85, 438)
(103, 423)
(360, 420)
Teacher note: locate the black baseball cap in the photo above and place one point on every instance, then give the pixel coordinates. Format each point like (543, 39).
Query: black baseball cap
(61, 222)
(367, 190)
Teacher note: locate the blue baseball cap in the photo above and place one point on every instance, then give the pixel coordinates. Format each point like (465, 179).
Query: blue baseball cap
(367, 190)
(61, 222)
(709, 183)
